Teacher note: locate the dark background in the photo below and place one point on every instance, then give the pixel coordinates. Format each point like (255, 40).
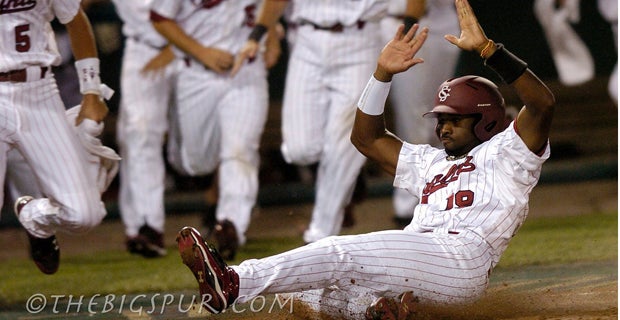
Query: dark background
(510, 22)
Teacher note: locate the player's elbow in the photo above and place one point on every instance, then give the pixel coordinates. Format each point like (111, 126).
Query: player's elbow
(362, 144)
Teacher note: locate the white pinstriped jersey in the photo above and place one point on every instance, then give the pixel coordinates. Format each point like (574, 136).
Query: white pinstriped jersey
(329, 12)
(200, 18)
(485, 192)
(26, 36)
(136, 24)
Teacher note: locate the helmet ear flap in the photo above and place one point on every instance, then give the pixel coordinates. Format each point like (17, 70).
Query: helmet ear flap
(489, 126)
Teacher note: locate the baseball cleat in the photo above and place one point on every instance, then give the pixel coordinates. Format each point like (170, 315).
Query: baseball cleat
(20, 203)
(227, 240)
(400, 308)
(154, 246)
(218, 283)
(406, 305)
(44, 251)
(382, 309)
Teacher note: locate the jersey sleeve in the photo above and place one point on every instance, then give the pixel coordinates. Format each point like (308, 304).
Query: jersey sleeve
(515, 159)
(166, 8)
(65, 10)
(412, 161)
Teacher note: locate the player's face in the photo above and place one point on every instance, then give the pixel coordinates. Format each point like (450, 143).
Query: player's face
(456, 133)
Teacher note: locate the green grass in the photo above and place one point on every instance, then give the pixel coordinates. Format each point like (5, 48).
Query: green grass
(585, 238)
(540, 241)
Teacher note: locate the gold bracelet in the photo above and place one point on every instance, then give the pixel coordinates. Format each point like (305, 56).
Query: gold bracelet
(486, 48)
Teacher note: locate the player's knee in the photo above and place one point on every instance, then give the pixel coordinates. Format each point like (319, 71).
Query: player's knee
(300, 155)
(85, 216)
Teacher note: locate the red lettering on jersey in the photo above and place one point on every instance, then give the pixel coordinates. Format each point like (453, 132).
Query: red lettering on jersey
(10, 6)
(250, 16)
(207, 4)
(442, 180)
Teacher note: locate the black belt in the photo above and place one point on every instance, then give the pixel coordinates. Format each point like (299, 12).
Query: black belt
(20, 75)
(338, 27)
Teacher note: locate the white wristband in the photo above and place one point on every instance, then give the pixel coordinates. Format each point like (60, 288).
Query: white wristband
(373, 98)
(88, 75)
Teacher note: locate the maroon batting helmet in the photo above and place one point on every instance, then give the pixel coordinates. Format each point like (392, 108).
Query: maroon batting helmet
(469, 95)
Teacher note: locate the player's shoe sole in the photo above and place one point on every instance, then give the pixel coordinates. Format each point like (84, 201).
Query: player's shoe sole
(218, 284)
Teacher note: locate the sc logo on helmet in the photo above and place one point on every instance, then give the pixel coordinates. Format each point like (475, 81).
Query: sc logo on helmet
(444, 93)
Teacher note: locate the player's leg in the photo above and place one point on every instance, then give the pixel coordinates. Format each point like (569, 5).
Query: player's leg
(142, 123)
(340, 162)
(243, 114)
(304, 110)
(440, 268)
(194, 135)
(20, 179)
(50, 146)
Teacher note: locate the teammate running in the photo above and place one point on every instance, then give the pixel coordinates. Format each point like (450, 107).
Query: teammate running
(33, 121)
(218, 119)
(474, 194)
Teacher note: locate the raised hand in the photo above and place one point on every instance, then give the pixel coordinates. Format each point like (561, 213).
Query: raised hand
(398, 55)
(472, 36)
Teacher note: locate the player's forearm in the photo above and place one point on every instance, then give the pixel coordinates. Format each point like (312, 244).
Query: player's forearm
(82, 38)
(270, 12)
(415, 8)
(371, 138)
(170, 30)
(369, 134)
(87, 65)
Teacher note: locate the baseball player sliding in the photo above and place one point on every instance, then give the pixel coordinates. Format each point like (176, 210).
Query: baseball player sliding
(473, 194)
(35, 124)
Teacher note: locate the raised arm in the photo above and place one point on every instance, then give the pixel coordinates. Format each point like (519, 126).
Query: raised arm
(369, 134)
(414, 11)
(534, 119)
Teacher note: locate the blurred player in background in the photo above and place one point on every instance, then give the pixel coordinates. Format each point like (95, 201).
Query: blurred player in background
(218, 118)
(147, 82)
(336, 44)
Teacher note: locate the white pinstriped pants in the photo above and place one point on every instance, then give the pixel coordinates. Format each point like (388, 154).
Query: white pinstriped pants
(142, 124)
(219, 120)
(344, 274)
(33, 121)
(326, 74)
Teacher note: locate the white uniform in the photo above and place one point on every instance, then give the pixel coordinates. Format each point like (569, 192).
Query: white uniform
(609, 11)
(142, 120)
(409, 96)
(218, 120)
(571, 55)
(34, 121)
(470, 210)
(326, 74)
